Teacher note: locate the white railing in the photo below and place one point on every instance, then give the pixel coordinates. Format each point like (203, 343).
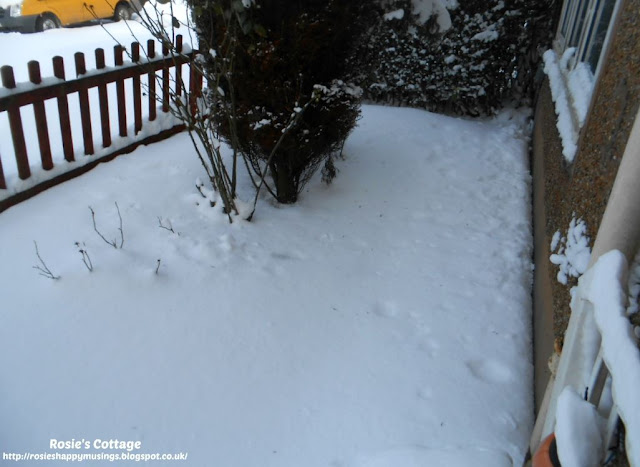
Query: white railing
(597, 382)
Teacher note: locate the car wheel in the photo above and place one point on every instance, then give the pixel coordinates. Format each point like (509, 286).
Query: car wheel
(47, 21)
(122, 12)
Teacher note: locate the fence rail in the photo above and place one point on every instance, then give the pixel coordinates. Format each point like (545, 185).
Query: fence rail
(164, 81)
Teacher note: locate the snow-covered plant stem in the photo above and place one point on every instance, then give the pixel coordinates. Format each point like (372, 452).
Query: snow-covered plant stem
(168, 227)
(197, 118)
(85, 256)
(114, 242)
(43, 268)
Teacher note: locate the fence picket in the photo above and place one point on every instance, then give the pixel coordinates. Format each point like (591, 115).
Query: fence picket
(41, 119)
(195, 87)
(118, 51)
(165, 80)
(63, 111)
(137, 97)
(15, 123)
(104, 102)
(151, 76)
(179, 83)
(85, 111)
(3, 182)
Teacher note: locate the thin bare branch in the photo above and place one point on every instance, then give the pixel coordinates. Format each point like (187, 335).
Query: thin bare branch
(43, 268)
(120, 227)
(85, 256)
(113, 242)
(170, 226)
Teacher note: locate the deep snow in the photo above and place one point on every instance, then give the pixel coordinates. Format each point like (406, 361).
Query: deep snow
(384, 320)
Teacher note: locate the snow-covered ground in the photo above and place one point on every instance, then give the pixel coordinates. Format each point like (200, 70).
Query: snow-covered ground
(384, 320)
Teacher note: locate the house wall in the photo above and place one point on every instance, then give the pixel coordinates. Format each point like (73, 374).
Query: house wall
(583, 188)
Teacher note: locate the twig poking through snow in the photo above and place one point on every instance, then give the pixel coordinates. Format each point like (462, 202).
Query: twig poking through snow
(167, 227)
(44, 269)
(85, 256)
(120, 228)
(113, 242)
(158, 266)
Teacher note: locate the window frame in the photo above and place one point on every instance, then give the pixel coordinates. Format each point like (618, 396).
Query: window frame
(572, 33)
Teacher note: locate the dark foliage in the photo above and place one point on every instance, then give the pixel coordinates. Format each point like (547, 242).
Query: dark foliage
(488, 56)
(284, 102)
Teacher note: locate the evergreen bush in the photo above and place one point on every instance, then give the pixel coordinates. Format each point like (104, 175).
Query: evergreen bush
(284, 102)
(467, 62)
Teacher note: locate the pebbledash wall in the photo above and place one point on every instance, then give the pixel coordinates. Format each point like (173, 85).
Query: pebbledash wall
(563, 190)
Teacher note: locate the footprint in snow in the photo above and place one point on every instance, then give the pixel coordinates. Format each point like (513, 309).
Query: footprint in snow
(490, 371)
(385, 309)
(288, 255)
(430, 347)
(226, 242)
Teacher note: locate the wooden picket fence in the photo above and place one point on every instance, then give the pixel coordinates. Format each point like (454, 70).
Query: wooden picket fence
(164, 74)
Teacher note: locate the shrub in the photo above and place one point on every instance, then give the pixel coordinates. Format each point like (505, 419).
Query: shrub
(468, 60)
(285, 105)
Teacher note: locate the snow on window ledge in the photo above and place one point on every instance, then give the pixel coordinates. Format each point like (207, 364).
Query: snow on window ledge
(571, 91)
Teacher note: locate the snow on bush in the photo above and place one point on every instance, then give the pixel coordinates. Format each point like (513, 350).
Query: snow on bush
(425, 9)
(459, 58)
(286, 104)
(573, 253)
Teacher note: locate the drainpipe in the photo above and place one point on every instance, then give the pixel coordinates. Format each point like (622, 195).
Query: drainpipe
(619, 230)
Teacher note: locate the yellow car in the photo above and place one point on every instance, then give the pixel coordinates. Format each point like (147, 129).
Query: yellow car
(40, 15)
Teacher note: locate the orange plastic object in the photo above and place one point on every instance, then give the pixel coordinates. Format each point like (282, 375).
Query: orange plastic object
(547, 454)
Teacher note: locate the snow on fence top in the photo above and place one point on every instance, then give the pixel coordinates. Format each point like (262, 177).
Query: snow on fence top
(145, 70)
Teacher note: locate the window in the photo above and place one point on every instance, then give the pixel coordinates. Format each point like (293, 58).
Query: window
(585, 25)
(594, 45)
(584, 30)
